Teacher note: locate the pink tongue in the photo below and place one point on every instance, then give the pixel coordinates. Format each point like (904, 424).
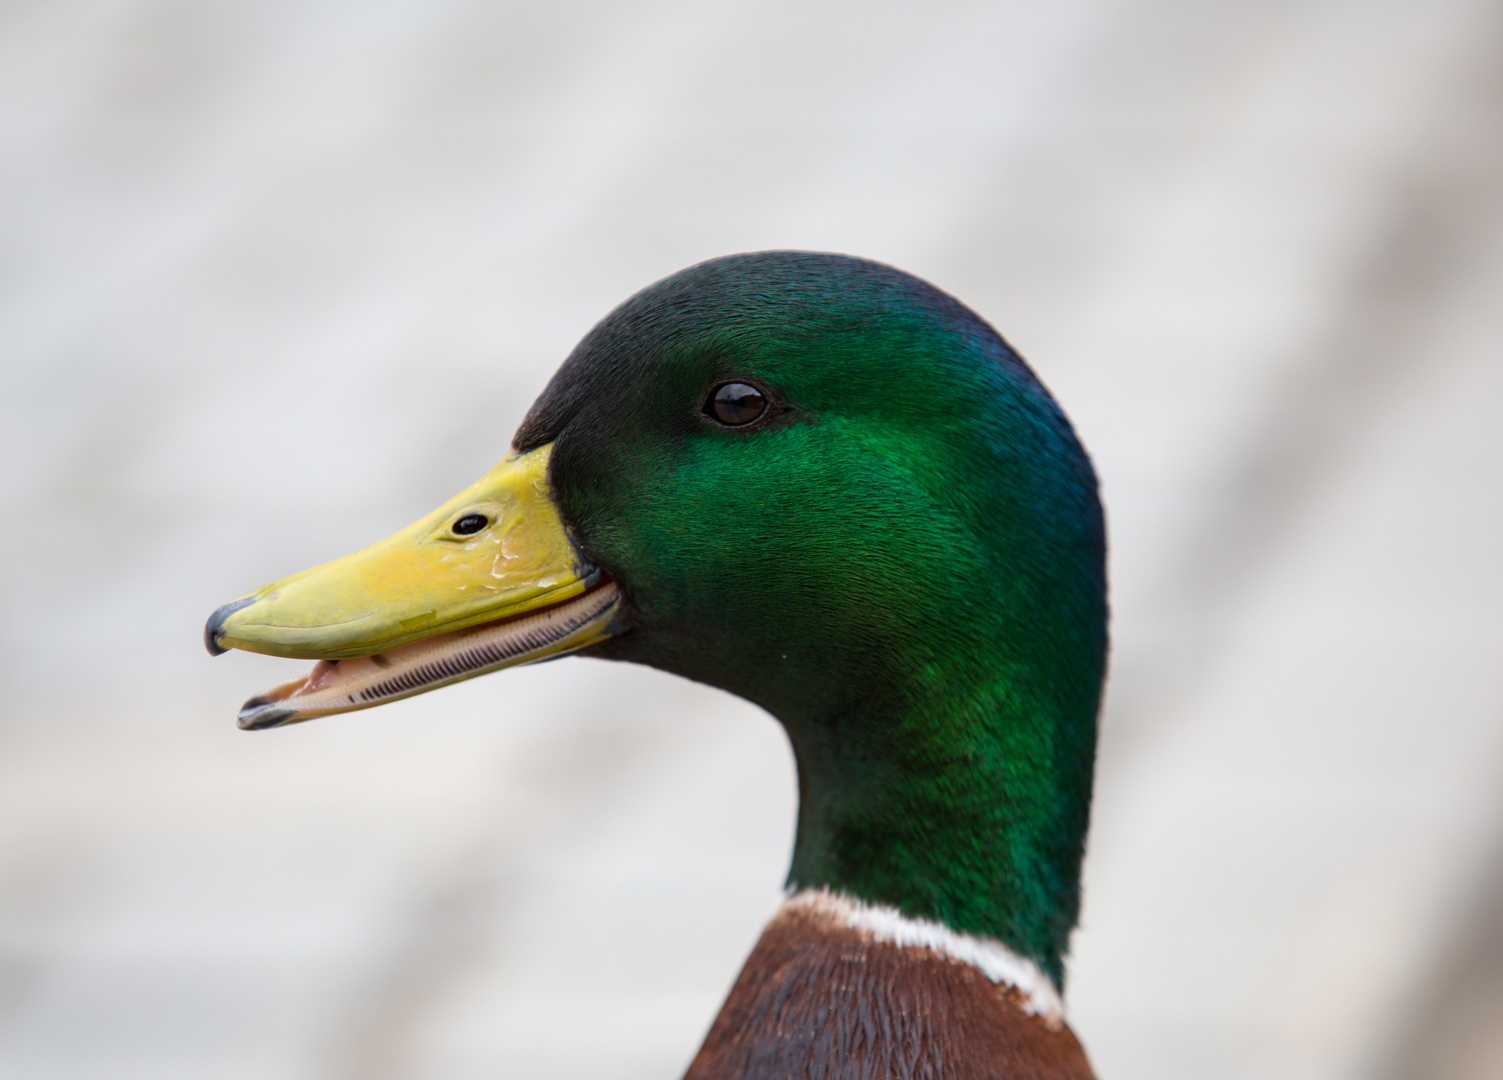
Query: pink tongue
(327, 673)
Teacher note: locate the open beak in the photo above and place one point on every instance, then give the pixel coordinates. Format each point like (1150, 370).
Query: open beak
(487, 581)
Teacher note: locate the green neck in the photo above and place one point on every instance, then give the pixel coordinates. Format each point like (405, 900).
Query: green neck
(952, 806)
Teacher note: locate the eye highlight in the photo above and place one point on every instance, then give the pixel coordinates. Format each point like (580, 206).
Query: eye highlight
(736, 404)
(470, 524)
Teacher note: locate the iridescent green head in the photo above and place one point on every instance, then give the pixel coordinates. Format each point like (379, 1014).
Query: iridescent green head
(828, 487)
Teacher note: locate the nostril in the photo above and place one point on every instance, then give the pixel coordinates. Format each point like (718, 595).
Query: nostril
(216, 623)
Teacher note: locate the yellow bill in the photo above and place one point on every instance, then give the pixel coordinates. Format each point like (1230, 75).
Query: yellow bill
(488, 580)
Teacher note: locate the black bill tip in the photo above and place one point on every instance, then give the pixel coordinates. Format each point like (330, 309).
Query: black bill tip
(216, 623)
(257, 714)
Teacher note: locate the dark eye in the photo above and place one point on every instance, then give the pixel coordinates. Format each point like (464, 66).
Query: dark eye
(470, 523)
(735, 404)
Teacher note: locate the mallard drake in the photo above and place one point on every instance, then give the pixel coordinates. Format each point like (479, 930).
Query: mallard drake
(822, 484)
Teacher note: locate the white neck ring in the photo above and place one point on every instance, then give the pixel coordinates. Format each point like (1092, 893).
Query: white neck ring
(993, 959)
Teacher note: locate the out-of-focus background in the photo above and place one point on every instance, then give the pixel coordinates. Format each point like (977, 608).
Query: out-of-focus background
(276, 278)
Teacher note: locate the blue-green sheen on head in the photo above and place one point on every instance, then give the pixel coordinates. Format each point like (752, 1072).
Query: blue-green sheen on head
(903, 560)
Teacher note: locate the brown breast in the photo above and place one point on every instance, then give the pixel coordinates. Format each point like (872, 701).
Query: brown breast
(818, 999)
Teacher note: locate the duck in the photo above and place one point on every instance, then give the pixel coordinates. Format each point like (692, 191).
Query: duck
(829, 487)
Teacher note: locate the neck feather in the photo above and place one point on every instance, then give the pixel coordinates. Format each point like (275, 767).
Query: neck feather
(966, 810)
(878, 922)
(844, 990)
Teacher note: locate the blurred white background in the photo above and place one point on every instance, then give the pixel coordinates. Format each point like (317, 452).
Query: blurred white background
(275, 278)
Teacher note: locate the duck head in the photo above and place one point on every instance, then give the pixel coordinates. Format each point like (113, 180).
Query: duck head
(816, 482)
